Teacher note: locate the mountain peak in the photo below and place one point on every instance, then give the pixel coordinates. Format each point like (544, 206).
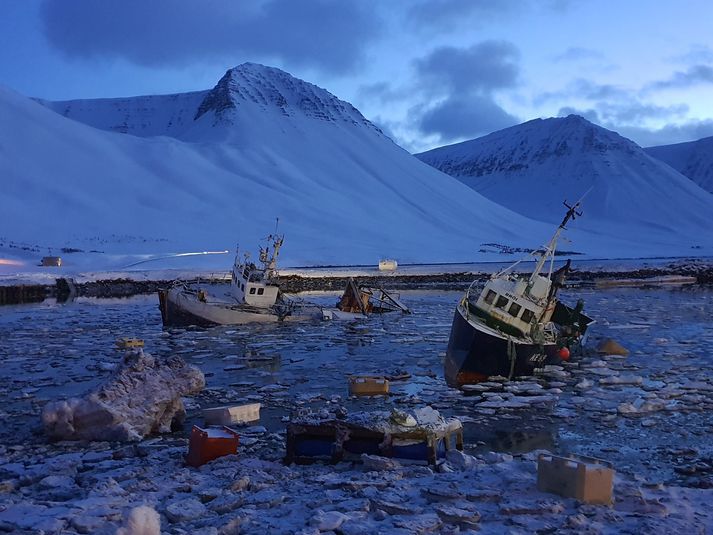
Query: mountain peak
(270, 88)
(575, 134)
(531, 143)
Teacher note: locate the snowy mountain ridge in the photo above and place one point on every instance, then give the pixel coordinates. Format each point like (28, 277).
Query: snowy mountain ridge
(242, 91)
(531, 168)
(539, 140)
(693, 159)
(145, 116)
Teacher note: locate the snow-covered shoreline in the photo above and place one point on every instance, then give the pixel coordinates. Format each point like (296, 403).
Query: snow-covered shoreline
(39, 275)
(90, 488)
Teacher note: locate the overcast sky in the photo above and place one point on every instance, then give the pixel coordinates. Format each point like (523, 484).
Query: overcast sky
(429, 72)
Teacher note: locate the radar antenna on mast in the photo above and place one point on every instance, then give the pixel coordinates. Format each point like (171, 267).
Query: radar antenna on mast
(572, 213)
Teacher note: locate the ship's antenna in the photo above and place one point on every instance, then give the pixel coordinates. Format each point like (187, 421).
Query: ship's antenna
(277, 222)
(549, 249)
(572, 212)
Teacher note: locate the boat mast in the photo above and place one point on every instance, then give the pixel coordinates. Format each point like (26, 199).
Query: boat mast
(549, 251)
(268, 260)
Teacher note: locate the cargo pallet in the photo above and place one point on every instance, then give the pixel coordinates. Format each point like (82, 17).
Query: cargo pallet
(336, 441)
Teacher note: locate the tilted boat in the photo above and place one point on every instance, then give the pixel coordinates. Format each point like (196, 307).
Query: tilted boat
(253, 296)
(515, 325)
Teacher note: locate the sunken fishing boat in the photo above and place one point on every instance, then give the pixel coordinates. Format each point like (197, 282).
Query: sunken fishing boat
(516, 325)
(254, 296)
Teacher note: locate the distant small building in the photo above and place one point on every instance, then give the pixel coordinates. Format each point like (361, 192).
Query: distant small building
(51, 261)
(388, 265)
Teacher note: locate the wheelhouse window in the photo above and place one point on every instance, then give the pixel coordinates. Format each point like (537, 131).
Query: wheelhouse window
(490, 297)
(260, 291)
(514, 310)
(252, 291)
(501, 302)
(527, 315)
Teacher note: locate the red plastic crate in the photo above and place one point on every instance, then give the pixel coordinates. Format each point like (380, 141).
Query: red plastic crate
(211, 443)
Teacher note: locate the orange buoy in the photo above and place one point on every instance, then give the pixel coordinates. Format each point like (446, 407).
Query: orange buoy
(563, 353)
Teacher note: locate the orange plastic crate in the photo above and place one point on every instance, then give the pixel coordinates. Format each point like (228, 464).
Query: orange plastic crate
(211, 443)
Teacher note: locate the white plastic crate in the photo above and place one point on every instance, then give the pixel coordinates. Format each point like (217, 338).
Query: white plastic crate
(231, 415)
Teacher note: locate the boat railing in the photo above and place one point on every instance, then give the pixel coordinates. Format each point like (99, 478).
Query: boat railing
(470, 288)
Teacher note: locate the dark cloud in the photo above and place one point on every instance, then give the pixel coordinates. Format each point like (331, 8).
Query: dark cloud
(382, 92)
(329, 35)
(465, 117)
(695, 55)
(576, 53)
(694, 75)
(593, 91)
(441, 15)
(667, 135)
(637, 112)
(647, 137)
(438, 16)
(590, 114)
(464, 82)
(631, 111)
(481, 68)
(584, 89)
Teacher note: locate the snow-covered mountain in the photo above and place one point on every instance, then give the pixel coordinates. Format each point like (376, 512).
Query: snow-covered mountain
(693, 159)
(531, 168)
(248, 92)
(154, 115)
(206, 170)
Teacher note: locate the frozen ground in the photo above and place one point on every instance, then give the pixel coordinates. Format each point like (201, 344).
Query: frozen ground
(649, 413)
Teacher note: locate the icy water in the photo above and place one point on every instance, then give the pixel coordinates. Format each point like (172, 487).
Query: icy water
(649, 413)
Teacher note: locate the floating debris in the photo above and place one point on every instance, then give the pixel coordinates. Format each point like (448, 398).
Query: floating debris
(236, 414)
(142, 397)
(423, 436)
(368, 385)
(587, 479)
(129, 343)
(612, 347)
(208, 444)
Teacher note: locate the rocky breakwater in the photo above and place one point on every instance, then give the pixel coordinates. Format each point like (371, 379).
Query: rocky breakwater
(142, 397)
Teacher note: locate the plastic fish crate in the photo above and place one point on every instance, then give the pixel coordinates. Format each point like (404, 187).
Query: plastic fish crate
(587, 479)
(129, 343)
(208, 444)
(368, 385)
(231, 415)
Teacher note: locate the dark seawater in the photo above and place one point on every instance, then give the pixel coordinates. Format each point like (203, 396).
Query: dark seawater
(50, 350)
